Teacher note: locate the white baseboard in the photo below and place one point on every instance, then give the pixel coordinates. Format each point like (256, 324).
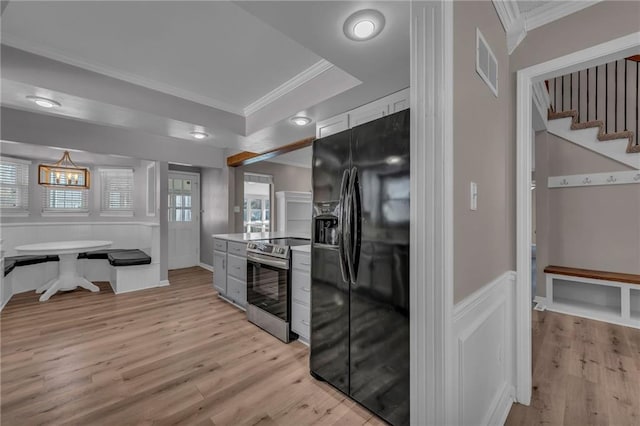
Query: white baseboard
(485, 353)
(205, 266)
(503, 406)
(164, 283)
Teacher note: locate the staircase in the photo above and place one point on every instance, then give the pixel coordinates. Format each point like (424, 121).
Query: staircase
(597, 108)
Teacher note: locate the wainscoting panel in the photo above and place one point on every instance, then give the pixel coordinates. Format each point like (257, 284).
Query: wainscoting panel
(484, 326)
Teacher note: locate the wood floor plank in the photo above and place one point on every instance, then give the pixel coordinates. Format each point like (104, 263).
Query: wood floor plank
(171, 355)
(585, 373)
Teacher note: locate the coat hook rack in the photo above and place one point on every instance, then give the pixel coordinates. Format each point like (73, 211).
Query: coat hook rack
(595, 179)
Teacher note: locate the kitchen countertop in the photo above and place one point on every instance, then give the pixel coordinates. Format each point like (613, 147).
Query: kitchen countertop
(304, 249)
(253, 236)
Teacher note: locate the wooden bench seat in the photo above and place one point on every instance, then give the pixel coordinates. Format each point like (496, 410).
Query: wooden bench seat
(601, 295)
(596, 275)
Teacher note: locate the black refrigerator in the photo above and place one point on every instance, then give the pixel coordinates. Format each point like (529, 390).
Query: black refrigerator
(360, 265)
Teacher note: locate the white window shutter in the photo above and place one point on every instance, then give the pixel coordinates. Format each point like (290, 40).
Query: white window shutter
(14, 184)
(116, 191)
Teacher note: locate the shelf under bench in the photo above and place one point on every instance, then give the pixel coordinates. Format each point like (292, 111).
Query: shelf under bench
(605, 296)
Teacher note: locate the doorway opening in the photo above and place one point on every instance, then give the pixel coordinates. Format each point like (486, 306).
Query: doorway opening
(184, 219)
(257, 203)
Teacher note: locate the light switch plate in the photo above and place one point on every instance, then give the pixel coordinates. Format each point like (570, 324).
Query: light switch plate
(473, 196)
(236, 209)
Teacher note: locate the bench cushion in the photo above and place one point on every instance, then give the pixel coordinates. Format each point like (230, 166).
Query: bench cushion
(98, 254)
(9, 265)
(129, 258)
(31, 260)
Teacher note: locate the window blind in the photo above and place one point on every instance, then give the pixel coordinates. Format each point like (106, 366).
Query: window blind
(116, 190)
(257, 178)
(14, 185)
(65, 200)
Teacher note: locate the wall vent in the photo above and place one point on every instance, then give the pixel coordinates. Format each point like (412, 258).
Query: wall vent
(486, 63)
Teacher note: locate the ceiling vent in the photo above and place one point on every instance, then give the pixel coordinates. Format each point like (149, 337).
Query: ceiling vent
(486, 63)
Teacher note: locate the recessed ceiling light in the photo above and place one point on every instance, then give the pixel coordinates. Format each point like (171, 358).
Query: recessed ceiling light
(364, 25)
(199, 135)
(394, 159)
(301, 121)
(43, 102)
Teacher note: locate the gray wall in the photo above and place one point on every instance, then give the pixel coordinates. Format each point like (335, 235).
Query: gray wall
(584, 227)
(483, 239)
(285, 178)
(214, 204)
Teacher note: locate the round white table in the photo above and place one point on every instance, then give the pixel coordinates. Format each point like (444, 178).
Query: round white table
(67, 251)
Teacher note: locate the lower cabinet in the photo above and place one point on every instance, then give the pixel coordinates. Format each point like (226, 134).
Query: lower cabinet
(230, 271)
(301, 295)
(220, 271)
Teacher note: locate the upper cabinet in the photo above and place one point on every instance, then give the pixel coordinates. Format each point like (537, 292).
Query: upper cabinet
(372, 111)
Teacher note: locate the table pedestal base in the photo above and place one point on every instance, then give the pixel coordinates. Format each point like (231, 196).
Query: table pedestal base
(68, 278)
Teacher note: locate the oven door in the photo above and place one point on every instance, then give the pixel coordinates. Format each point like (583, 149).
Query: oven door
(268, 284)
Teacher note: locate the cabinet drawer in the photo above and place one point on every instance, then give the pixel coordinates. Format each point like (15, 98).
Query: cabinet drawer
(301, 261)
(239, 249)
(237, 290)
(237, 267)
(300, 319)
(301, 286)
(220, 245)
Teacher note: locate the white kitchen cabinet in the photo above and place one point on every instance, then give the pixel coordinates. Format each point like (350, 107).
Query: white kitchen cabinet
(332, 125)
(372, 111)
(301, 294)
(368, 112)
(294, 211)
(230, 270)
(220, 271)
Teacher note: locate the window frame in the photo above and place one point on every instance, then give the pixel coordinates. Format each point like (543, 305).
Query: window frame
(115, 212)
(85, 210)
(21, 210)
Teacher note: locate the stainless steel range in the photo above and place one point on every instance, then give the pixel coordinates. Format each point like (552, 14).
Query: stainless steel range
(269, 285)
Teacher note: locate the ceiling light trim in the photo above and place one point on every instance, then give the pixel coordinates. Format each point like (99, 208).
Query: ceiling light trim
(287, 87)
(124, 76)
(550, 12)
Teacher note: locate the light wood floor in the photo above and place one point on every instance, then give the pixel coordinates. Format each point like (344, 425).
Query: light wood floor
(173, 355)
(584, 373)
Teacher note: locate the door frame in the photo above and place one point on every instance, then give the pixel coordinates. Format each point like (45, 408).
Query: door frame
(196, 213)
(589, 57)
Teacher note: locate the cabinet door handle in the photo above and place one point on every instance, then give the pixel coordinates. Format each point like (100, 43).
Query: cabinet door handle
(307, 289)
(305, 322)
(223, 261)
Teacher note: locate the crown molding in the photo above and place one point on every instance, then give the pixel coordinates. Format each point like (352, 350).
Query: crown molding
(287, 87)
(113, 73)
(553, 11)
(512, 21)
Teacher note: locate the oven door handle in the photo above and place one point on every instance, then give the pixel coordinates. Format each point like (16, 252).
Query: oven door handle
(267, 260)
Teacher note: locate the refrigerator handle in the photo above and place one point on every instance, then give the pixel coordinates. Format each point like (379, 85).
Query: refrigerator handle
(351, 225)
(341, 213)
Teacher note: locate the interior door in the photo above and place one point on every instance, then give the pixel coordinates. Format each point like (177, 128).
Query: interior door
(184, 220)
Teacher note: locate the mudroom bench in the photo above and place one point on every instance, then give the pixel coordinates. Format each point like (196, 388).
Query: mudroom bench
(605, 296)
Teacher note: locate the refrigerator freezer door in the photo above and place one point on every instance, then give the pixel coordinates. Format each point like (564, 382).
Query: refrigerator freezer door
(379, 299)
(329, 355)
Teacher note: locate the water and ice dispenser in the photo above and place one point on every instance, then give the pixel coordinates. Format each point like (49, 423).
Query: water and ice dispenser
(326, 223)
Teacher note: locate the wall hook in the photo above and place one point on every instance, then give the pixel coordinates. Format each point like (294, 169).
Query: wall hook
(586, 181)
(611, 179)
(637, 177)
(564, 182)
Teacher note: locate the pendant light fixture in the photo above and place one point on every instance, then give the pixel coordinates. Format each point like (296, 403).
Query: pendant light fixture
(64, 174)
